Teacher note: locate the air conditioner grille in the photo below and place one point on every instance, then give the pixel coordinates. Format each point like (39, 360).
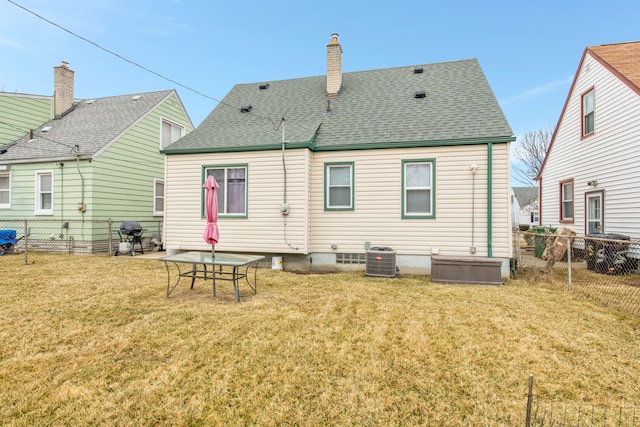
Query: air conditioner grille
(381, 262)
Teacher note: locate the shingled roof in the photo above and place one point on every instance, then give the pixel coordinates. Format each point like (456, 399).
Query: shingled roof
(374, 109)
(622, 57)
(525, 195)
(88, 128)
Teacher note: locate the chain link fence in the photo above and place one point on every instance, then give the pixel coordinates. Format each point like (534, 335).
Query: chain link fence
(26, 241)
(604, 267)
(543, 412)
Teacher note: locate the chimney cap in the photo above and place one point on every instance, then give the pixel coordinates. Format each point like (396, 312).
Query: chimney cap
(334, 38)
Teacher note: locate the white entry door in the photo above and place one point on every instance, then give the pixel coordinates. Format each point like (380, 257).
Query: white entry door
(594, 203)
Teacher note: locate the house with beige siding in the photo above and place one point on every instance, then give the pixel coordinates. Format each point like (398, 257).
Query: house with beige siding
(320, 170)
(66, 162)
(589, 179)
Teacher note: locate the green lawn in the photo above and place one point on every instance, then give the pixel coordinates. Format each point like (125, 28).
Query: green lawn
(93, 340)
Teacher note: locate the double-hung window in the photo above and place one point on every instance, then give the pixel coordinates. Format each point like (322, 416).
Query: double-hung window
(566, 201)
(170, 133)
(44, 193)
(232, 190)
(587, 113)
(338, 186)
(418, 189)
(5, 189)
(158, 197)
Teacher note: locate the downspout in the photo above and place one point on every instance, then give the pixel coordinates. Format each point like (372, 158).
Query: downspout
(474, 168)
(81, 206)
(489, 198)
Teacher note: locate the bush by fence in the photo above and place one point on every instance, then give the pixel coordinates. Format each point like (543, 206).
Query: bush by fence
(39, 238)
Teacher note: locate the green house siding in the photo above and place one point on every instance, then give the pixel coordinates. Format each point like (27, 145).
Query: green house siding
(123, 174)
(20, 113)
(117, 183)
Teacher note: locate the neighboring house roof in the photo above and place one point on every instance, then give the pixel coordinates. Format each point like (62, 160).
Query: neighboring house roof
(374, 109)
(525, 195)
(87, 129)
(622, 59)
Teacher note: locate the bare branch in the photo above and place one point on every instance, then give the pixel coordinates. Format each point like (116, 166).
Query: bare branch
(530, 151)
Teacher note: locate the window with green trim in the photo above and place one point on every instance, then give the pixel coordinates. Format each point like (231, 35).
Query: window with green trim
(418, 188)
(232, 190)
(338, 186)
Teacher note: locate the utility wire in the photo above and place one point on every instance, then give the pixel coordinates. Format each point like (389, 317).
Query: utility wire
(276, 127)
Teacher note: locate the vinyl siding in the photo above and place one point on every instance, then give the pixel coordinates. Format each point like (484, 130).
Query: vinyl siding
(263, 230)
(117, 184)
(610, 156)
(123, 174)
(20, 113)
(377, 215)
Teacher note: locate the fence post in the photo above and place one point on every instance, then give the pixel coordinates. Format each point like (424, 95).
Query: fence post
(569, 259)
(26, 242)
(109, 222)
(529, 401)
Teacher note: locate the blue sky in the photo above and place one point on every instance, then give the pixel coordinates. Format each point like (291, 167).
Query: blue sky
(529, 50)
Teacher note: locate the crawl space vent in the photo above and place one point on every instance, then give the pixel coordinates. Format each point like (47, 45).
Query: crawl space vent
(381, 262)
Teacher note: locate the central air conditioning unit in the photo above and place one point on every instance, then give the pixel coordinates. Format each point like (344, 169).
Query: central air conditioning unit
(381, 262)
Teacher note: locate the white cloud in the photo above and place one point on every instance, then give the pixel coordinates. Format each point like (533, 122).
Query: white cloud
(538, 91)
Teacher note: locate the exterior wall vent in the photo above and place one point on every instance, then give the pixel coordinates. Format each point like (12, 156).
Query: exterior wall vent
(420, 94)
(246, 108)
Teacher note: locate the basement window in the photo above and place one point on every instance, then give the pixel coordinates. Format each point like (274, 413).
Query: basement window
(420, 94)
(246, 108)
(351, 259)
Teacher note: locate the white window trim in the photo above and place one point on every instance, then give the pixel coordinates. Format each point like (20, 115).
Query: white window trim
(38, 208)
(564, 217)
(8, 190)
(155, 197)
(172, 123)
(584, 113)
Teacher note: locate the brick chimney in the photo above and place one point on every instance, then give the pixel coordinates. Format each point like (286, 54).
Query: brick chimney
(334, 67)
(62, 89)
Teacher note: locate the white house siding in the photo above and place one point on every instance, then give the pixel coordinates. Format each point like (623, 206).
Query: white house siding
(610, 156)
(377, 217)
(263, 230)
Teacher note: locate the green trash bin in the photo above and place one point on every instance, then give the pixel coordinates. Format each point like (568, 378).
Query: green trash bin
(541, 241)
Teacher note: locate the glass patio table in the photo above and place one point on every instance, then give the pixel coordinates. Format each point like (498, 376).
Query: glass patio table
(207, 266)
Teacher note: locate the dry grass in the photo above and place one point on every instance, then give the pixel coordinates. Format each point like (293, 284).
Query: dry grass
(93, 340)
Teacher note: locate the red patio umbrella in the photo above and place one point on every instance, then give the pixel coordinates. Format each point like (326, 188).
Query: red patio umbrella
(211, 233)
